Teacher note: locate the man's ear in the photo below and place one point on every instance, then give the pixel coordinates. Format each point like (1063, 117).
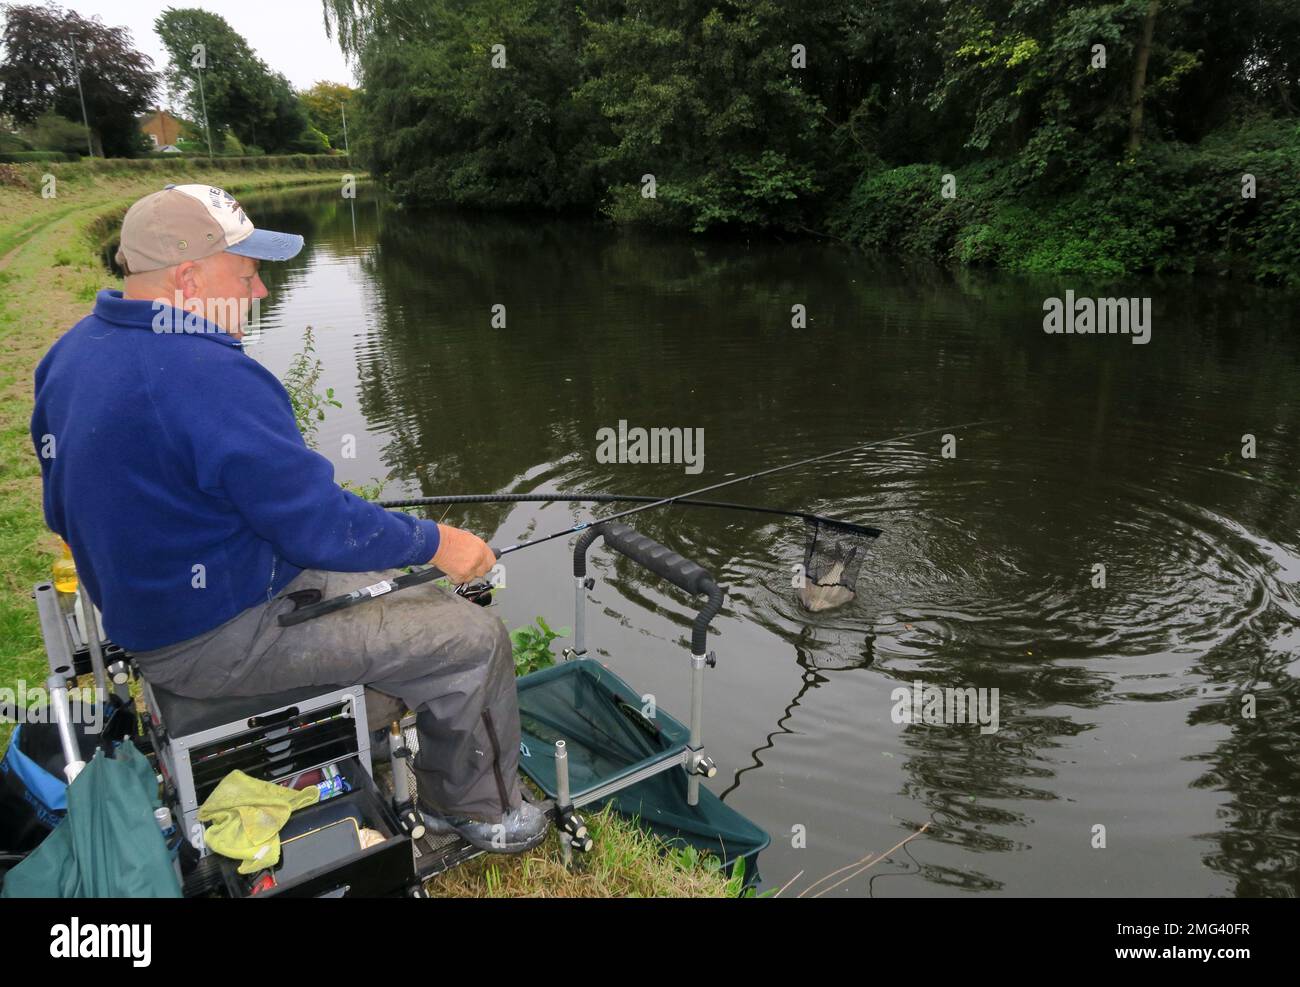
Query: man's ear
(188, 279)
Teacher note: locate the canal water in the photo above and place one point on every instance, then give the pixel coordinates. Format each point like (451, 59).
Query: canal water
(1117, 554)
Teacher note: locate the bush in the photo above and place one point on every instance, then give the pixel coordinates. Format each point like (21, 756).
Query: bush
(15, 157)
(51, 132)
(625, 205)
(159, 162)
(311, 141)
(10, 143)
(903, 210)
(1171, 208)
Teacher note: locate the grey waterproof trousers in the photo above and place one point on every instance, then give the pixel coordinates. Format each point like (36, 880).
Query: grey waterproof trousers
(445, 658)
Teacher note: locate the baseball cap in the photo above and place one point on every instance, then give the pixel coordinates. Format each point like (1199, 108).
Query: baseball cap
(188, 222)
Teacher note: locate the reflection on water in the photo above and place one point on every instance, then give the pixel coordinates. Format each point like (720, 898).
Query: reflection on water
(1121, 705)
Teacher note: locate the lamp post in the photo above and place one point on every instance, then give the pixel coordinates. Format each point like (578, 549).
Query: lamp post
(346, 150)
(203, 103)
(76, 71)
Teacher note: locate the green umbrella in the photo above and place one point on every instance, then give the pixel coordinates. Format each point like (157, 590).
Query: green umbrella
(108, 845)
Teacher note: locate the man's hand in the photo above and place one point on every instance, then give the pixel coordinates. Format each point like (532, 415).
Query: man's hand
(461, 555)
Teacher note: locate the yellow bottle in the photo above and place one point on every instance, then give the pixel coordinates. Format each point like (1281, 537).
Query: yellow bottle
(65, 571)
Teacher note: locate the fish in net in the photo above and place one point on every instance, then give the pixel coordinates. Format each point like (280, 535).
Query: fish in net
(833, 555)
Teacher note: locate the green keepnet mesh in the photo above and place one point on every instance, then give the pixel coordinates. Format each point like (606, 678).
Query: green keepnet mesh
(599, 718)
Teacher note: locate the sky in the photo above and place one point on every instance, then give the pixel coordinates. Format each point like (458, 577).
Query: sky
(289, 35)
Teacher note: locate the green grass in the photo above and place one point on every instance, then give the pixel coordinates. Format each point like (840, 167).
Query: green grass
(22, 560)
(624, 862)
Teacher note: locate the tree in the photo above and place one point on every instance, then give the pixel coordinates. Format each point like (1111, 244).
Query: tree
(1057, 83)
(709, 97)
(326, 103)
(43, 49)
(529, 102)
(288, 125)
(449, 126)
(1140, 76)
(241, 93)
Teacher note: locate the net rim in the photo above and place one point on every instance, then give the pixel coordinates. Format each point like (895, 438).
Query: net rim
(847, 527)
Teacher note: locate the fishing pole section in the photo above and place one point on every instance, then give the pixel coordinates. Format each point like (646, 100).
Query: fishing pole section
(833, 554)
(834, 550)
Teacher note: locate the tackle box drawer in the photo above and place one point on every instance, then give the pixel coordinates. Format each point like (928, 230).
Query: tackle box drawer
(383, 870)
(284, 747)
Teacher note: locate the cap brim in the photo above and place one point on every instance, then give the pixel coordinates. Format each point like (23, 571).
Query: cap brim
(267, 245)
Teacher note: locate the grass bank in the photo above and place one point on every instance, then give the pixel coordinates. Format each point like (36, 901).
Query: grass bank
(50, 270)
(624, 863)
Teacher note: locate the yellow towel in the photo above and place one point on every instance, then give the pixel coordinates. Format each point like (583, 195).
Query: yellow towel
(245, 817)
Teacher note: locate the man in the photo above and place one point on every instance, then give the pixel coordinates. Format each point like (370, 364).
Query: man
(196, 515)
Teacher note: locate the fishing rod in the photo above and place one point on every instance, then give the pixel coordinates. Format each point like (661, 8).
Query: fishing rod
(429, 573)
(555, 496)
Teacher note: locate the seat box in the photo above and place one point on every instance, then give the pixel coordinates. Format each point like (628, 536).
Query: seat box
(386, 869)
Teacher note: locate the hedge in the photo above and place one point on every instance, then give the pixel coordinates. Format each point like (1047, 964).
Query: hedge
(16, 157)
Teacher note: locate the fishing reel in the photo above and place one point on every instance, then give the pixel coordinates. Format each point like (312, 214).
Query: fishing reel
(479, 591)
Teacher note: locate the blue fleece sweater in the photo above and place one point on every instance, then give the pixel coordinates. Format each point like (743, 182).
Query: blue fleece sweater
(175, 471)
